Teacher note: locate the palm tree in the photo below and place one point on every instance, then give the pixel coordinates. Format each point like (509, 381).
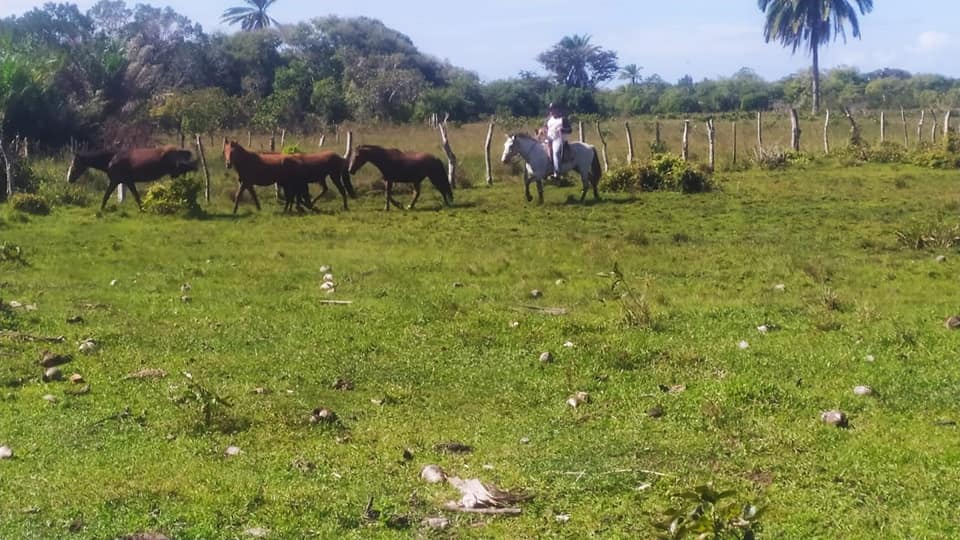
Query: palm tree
(252, 16)
(630, 72)
(811, 23)
(577, 63)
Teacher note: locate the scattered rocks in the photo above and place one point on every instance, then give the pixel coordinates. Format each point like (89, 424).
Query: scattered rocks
(328, 277)
(834, 418)
(568, 344)
(952, 322)
(546, 357)
(327, 286)
(15, 304)
(52, 374)
(323, 416)
(578, 399)
(5, 452)
(941, 258)
(863, 391)
(52, 359)
(439, 523)
(325, 269)
(433, 474)
(743, 345)
(88, 346)
(562, 518)
(536, 293)
(77, 378)
(232, 451)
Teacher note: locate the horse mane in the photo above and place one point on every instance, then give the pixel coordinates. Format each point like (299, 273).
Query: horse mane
(523, 135)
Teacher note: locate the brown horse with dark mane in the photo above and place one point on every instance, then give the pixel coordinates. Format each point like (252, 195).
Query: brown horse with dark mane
(256, 169)
(127, 167)
(318, 166)
(405, 167)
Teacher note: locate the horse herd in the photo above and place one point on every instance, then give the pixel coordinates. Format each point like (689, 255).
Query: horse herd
(294, 172)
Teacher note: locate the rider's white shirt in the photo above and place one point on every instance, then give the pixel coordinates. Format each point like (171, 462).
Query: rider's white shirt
(555, 128)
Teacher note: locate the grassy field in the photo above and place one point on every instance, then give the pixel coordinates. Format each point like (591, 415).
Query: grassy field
(433, 356)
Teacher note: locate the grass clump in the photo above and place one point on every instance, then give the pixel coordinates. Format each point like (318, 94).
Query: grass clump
(936, 234)
(30, 203)
(178, 197)
(663, 172)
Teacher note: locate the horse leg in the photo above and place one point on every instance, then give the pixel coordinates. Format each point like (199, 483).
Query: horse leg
(136, 196)
(236, 198)
(526, 185)
(338, 183)
(253, 193)
(106, 196)
(540, 191)
(416, 195)
(386, 194)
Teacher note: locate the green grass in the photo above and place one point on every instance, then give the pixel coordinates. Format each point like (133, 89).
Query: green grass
(452, 367)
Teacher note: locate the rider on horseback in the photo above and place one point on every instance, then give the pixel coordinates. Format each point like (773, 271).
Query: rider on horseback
(556, 129)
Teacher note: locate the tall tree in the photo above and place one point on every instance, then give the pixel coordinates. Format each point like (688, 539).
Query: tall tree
(576, 62)
(252, 16)
(811, 23)
(630, 72)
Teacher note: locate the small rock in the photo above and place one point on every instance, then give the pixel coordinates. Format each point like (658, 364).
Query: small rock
(834, 418)
(325, 269)
(77, 378)
(941, 258)
(407, 454)
(561, 282)
(303, 465)
(525, 440)
(323, 416)
(457, 285)
(52, 359)
(233, 451)
(869, 358)
(186, 299)
(88, 346)
(515, 324)
(763, 329)
(344, 385)
(75, 319)
(114, 283)
(261, 391)
(327, 286)
(562, 518)
(16, 305)
(578, 399)
(433, 474)
(30, 307)
(546, 357)
(536, 293)
(743, 345)
(863, 390)
(50, 398)
(5, 452)
(655, 412)
(185, 288)
(568, 344)
(257, 532)
(674, 389)
(52, 374)
(436, 522)
(328, 277)
(952, 322)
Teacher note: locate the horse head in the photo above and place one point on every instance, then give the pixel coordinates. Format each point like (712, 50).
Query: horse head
(229, 147)
(360, 157)
(509, 148)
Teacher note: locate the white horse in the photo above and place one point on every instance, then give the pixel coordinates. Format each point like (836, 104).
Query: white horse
(580, 157)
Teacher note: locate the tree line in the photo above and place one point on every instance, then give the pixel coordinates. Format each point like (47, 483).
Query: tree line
(116, 71)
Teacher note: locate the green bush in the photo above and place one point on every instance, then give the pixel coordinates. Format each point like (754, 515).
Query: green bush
(663, 172)
(933, 157)
(292, 149)
(778, 158)
(176, 197)
(63, 194)
(30, 203)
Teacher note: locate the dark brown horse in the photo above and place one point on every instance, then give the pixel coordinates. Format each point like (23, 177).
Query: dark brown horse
(405, 167)
(318, 166)
(256, 169)
(127, 167)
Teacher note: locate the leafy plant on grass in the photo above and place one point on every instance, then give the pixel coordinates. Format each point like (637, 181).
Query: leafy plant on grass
(207, 403)
(30, 203)
(636, 309)
(709, 514)
(11, 253)
(667, 172)
(177, 197)
(937, 234)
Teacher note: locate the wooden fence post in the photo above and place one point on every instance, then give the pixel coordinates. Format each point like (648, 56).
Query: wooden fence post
(933, 131)
(626, 126)
(8, 165)
(883, 127)
(685, 149)
(826, 134)
(711, 139)
(26, 146)
(946, 126)
(206, 170)
(760, 133)
(283, 139)
(794, 130)
(603, 146)
(451, 157)
(920, 128)
(903, 117)
(854, 128)
(734, 143)
(348, 154)
(322, 137)
(486, 153)
(580, 129)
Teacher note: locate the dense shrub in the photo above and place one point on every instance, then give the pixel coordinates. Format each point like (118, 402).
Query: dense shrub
(176, 197)
(778, 158)
(662, 172)
(928, 155)
(30, 203)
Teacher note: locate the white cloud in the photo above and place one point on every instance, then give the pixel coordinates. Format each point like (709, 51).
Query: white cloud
(931, 41)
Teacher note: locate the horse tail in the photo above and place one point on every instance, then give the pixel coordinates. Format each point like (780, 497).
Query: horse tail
(440, 180)
(595, 171)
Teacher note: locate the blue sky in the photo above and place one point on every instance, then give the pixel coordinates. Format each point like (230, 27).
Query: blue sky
(703, 38)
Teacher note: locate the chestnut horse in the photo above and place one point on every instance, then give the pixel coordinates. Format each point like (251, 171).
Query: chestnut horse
(317, 166)
(256, 169)
(405, 167)
(130, 166)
